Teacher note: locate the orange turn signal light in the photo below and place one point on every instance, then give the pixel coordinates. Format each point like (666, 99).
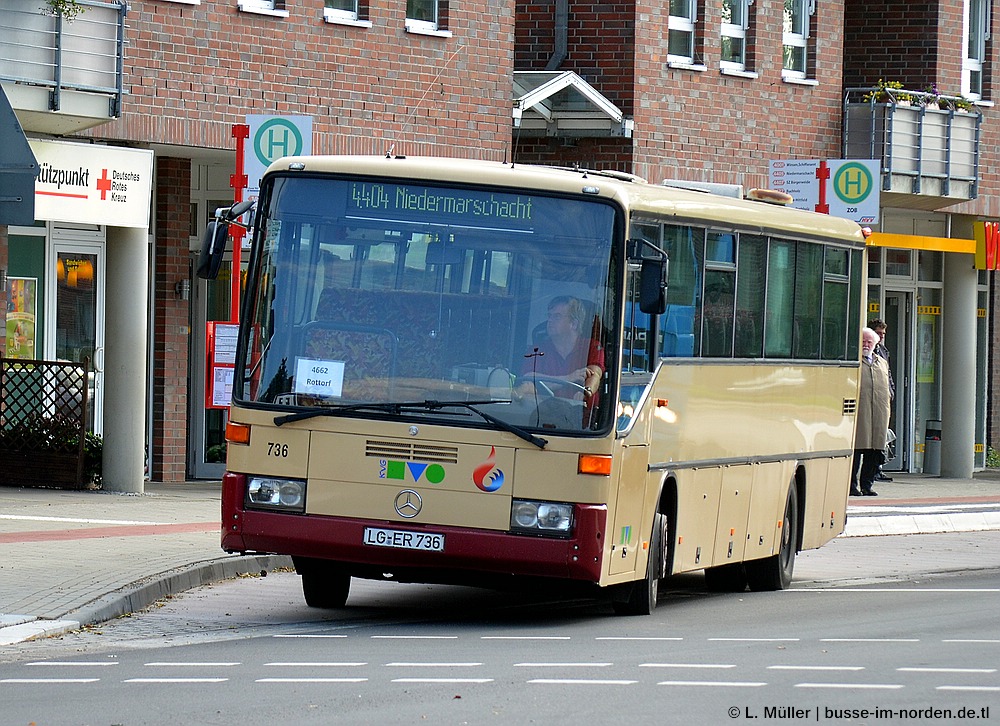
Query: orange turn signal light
(237, 433)
(594, 464)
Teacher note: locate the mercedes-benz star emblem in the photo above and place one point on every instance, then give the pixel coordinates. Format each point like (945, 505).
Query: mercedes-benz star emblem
(408, 504)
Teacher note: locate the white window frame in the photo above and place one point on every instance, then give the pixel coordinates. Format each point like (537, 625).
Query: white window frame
(428, 27)
(345, 17)
(683, 24)
(797, 37)
(261, 7)
(975, 34)
(737, 30)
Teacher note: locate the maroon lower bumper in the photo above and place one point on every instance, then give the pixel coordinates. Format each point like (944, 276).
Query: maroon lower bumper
(466, 550)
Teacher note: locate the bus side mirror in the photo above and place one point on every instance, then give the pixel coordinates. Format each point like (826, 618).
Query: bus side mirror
(213, 247)
(653, 286)
(213, 243)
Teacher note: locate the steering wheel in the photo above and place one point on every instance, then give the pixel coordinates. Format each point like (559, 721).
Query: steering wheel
(543, 381)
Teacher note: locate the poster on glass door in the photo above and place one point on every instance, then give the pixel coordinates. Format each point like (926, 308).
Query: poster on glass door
(22, 308)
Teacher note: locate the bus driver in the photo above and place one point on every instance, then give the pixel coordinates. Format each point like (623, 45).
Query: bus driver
(566, 353)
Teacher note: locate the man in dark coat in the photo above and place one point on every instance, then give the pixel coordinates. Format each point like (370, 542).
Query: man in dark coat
(872, 422)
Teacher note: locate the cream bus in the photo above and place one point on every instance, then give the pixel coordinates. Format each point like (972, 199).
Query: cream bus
(466, 372)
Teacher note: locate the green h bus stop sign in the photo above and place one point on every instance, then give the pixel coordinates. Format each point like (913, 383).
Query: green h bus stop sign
(272, 137)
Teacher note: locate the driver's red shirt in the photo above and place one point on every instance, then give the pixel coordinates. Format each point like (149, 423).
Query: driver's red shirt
(547, 362)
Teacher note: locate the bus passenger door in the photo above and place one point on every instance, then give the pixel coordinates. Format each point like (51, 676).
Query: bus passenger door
(628, 530)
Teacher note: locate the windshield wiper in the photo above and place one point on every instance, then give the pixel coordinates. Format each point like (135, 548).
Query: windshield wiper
(426, 405)
(498, 422)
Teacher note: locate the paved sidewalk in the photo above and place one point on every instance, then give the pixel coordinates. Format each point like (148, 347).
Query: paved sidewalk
(74, 558)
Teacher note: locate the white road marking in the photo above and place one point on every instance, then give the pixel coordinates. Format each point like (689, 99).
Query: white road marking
(344, 664)
(307, 635)
(634, 638)
(869, 640)
(562, 665)
(433, 665)
(175, 680)
(970, 640)
(192, 664)
(73, 663)
(49, 680)
(76, 520)
(896, 589)
(814, 668)
(580, 682)
(687, 665)
(756, 640)
(991, 689)
(442, 680)
(719, 684)
(948, 670)
(311, 680)
(524, 637)
(414, 637)
(875, 686)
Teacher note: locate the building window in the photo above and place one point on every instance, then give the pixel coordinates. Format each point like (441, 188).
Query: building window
(735, 23)
(264, 7)
(795, 37)
(977, 25)
(427, 16)
(680, 32)
(340, 10)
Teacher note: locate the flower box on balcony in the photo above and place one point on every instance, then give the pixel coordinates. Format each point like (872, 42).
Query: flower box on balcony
(923, 150)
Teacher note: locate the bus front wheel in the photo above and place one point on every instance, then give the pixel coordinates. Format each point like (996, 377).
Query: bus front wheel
(775, 572)
(325, 585)
(639, 597)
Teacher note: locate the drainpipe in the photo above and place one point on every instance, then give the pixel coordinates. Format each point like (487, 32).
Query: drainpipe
(561, 33)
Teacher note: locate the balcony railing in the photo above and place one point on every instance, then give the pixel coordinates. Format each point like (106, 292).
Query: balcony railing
(928, 145)
(70, 70)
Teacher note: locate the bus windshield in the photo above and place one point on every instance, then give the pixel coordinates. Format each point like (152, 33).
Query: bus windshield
(368, 294)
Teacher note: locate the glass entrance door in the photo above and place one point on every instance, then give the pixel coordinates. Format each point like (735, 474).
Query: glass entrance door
(207, 447)
(898, 320)
(77, 328)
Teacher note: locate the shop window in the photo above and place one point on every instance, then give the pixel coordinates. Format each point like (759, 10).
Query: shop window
(898, 263)
(930, 266)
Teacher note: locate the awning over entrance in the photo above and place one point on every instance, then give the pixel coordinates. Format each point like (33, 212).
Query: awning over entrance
(562, 104)
(18, 169)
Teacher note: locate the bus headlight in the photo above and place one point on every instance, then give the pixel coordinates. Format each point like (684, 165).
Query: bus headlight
(287, 495)
(541, 517)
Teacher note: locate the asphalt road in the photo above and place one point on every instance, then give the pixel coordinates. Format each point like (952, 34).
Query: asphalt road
(887, 650)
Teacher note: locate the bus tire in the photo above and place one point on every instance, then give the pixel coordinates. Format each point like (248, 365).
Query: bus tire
(639, 597)
(775, 572)
(325, 586)
(726, 578)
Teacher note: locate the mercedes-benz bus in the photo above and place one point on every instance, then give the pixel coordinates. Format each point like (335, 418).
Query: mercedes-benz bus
(394, 414)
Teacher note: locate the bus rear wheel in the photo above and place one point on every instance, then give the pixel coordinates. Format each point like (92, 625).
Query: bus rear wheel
(775, 572)
(325, 585)
(639, 597)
